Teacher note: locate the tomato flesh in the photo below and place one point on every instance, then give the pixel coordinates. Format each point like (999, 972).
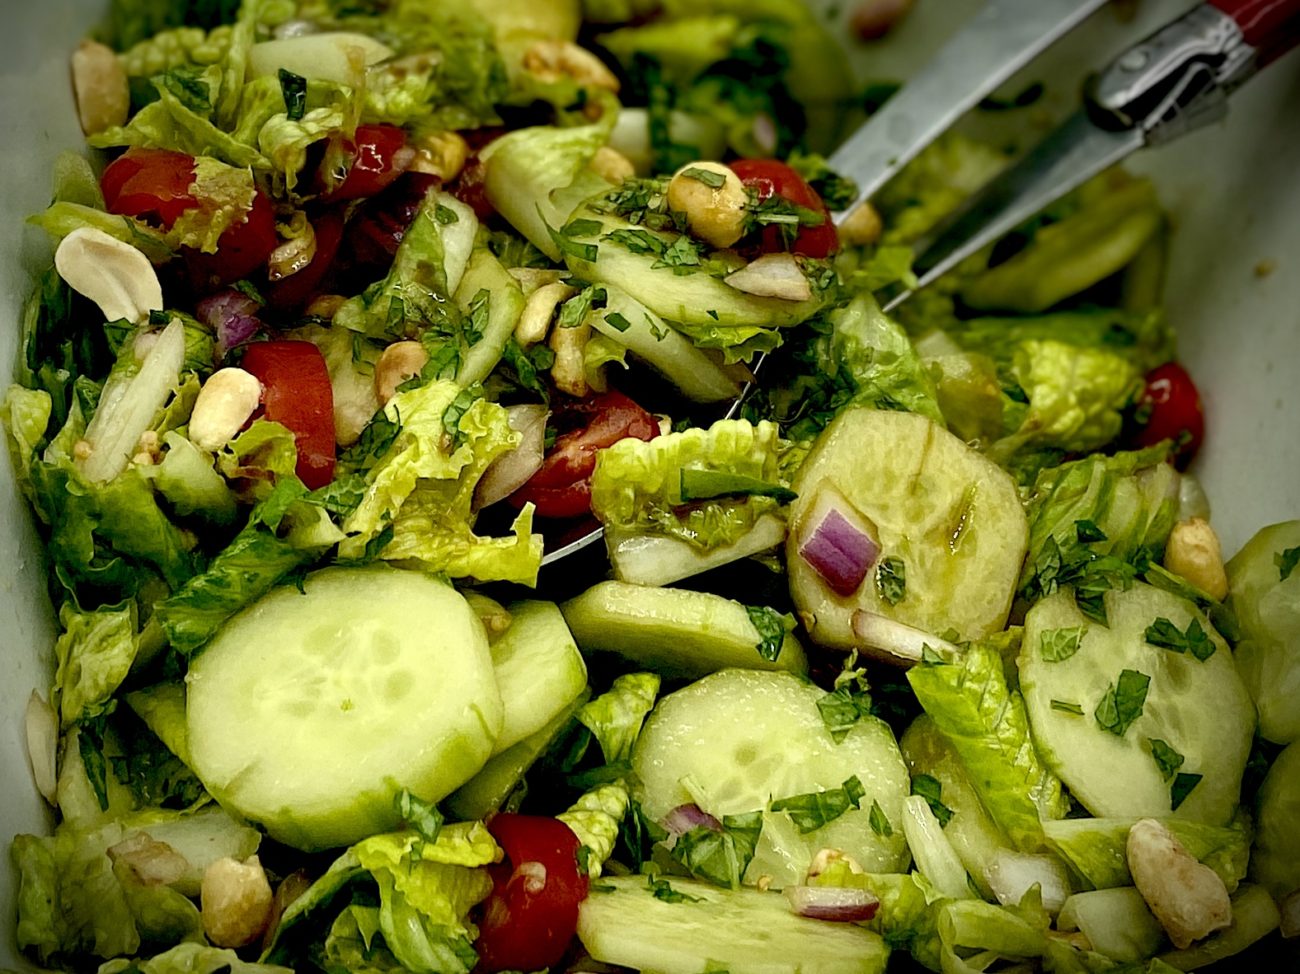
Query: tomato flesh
(376, 159)
(767, 178)
(531, 915)
(296, 393)
(150, 184)
(562, 485)
(242, 249)
(1174, 412)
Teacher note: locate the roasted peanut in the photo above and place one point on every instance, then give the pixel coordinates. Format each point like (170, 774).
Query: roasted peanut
(1187, 897)
(714, 213)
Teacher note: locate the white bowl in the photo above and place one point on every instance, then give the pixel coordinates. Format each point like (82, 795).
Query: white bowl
(1233, 190)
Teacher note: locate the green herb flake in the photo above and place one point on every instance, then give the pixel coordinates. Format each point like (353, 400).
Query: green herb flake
(294, 89)
(663, 891)
(879, 821)
(720, 857)
(891, 579)
(616, 320)
(810, 812)
(701, 485)
(573, 248)
(1182, 787)
(931, 789)
(1055, 645)
(1167, 759)
(772, 627)
(445, 215)
(420, 816)
(1194, 640)
(1066, 707)
(1122, 702)
(1286, 562)
(713, 180)
(189, 89)
(451, 416)
(582, 228)
(1088, 533)
(583, 858)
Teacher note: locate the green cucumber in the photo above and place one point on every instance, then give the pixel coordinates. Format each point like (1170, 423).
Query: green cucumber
(538, 668)
(951, 517)
(310, 712)
(1199, 708)
(673, 631)
(626, 923)
(1095, 848)
(485, 275)
(735, 741)
(1117, 923)
(484, 793)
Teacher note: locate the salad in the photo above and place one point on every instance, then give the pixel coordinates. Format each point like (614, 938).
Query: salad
(927, 656)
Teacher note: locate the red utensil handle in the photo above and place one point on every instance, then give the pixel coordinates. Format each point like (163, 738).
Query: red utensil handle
(1273, 26)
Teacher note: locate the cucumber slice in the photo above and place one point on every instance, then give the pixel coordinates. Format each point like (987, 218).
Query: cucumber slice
(1117, 923)
(735, 741)
(672, 631)
(538, 668)
(1199, 708)
(952, 516)
(740, 931)
(311, 711)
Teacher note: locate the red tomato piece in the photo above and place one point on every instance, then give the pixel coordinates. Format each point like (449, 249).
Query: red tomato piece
(376, 158)
(376, 231)
(562, 486)
(1172, 405)
(242, 249)
(151, 184)
(297, 289)
(469, 188)
(531, 915)
(768, 178)
(296, 393)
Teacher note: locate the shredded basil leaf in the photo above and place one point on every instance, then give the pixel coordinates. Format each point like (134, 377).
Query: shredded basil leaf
(1286, 562)
(1195, 640)
(1060, 644)
(662, 891)
(702, 485)
(1122, 702)
(931, 789)
(616, 320)
(720, 856)
(422, 817)
(772, 627)
(1183, 784)
(891, 579)
(1065, 707)
(713, 180)
(1167, 759)
(811, 811)
(879, 821)
(294, 89)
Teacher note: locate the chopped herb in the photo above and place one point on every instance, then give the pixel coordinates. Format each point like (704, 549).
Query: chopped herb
(1183, 784)
(582, 228)
(931, 656)
(445, 215)
(422, 817)
(583, 858)
(836, 191)
(682, 255)
(480, 307)
(1167, 759)
(601, 888)
(931, 789)
(573, 248)
(1088, 533)
(1166, 635)
(616, 320)
(849, 701)
(662, 891)
(772, 627)
(160, 318)
(189, 89)
(712, 314)
(701, 485)
(891, 580)
(248, 290)
(638, 241)
(451, 416)
(1065, 707)
(294, 89)
(1055, 645)
(1122, 703)
(810, 812)
(1286, 560)
(720, 856)
(879, 821)
(713, 180)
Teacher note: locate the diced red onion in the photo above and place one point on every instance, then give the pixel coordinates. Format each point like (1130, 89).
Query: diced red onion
(511, 471)
(838, 903)
(902, 642)
(1291, 914)
(837, 544)
(232, 315)
(43, 744)
(683, 818)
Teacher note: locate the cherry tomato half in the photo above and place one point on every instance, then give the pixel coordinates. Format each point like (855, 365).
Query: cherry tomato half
(375, 233)
(296, 393)
(1171, 406)
(374, 159)
(531, 915)
(562, 486)
(241, 250)
(768, 178)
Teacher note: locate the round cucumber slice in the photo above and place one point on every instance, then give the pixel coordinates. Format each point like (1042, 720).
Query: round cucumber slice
(736, 741)
(311, 711)
(950, 517)
(538, 669)
(740, 931)
(1198, 708)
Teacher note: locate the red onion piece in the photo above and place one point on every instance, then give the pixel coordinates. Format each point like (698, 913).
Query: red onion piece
(683, 818)
(232, 314)
(511, 471)
(838, 903)
(837, 543)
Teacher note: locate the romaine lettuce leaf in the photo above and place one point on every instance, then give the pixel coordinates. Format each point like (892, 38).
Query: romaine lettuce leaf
(192, 958)
(94, 653)
(190, 485)
(26, 415)
(284, 141)
(985, 721)
(637, 487)
(934, 184)
(615, 717)
(169, 124)
(595, 819)
(737, 343)
(874, 354)
(61, 218)
(224, 194)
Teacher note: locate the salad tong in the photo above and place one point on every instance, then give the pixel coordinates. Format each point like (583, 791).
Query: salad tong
(1175, 81)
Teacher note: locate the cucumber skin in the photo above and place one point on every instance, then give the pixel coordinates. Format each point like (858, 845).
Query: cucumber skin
(338, 798)
(933, 485)
(673, 631)
(742, 931)
(538, 668)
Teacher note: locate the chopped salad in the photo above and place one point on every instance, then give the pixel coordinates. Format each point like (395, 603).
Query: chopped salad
(929, 650)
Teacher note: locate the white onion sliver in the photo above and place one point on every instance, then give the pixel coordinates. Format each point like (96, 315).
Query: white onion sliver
(898, 639)
(43, 745)
(511, 471)
(837, 903)
(772, 276)
(1011, 874)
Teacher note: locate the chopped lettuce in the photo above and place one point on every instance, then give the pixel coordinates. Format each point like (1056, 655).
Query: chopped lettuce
(94, 654)
(224, 194)
(616, 716)
(595, 819)
(644, 487)
(192, 958)
(25, 414)
(934, 185)
(985, 721)
(284, 141)
(169, 124)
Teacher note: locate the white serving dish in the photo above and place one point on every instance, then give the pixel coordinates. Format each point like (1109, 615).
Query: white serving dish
(1233, 190)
